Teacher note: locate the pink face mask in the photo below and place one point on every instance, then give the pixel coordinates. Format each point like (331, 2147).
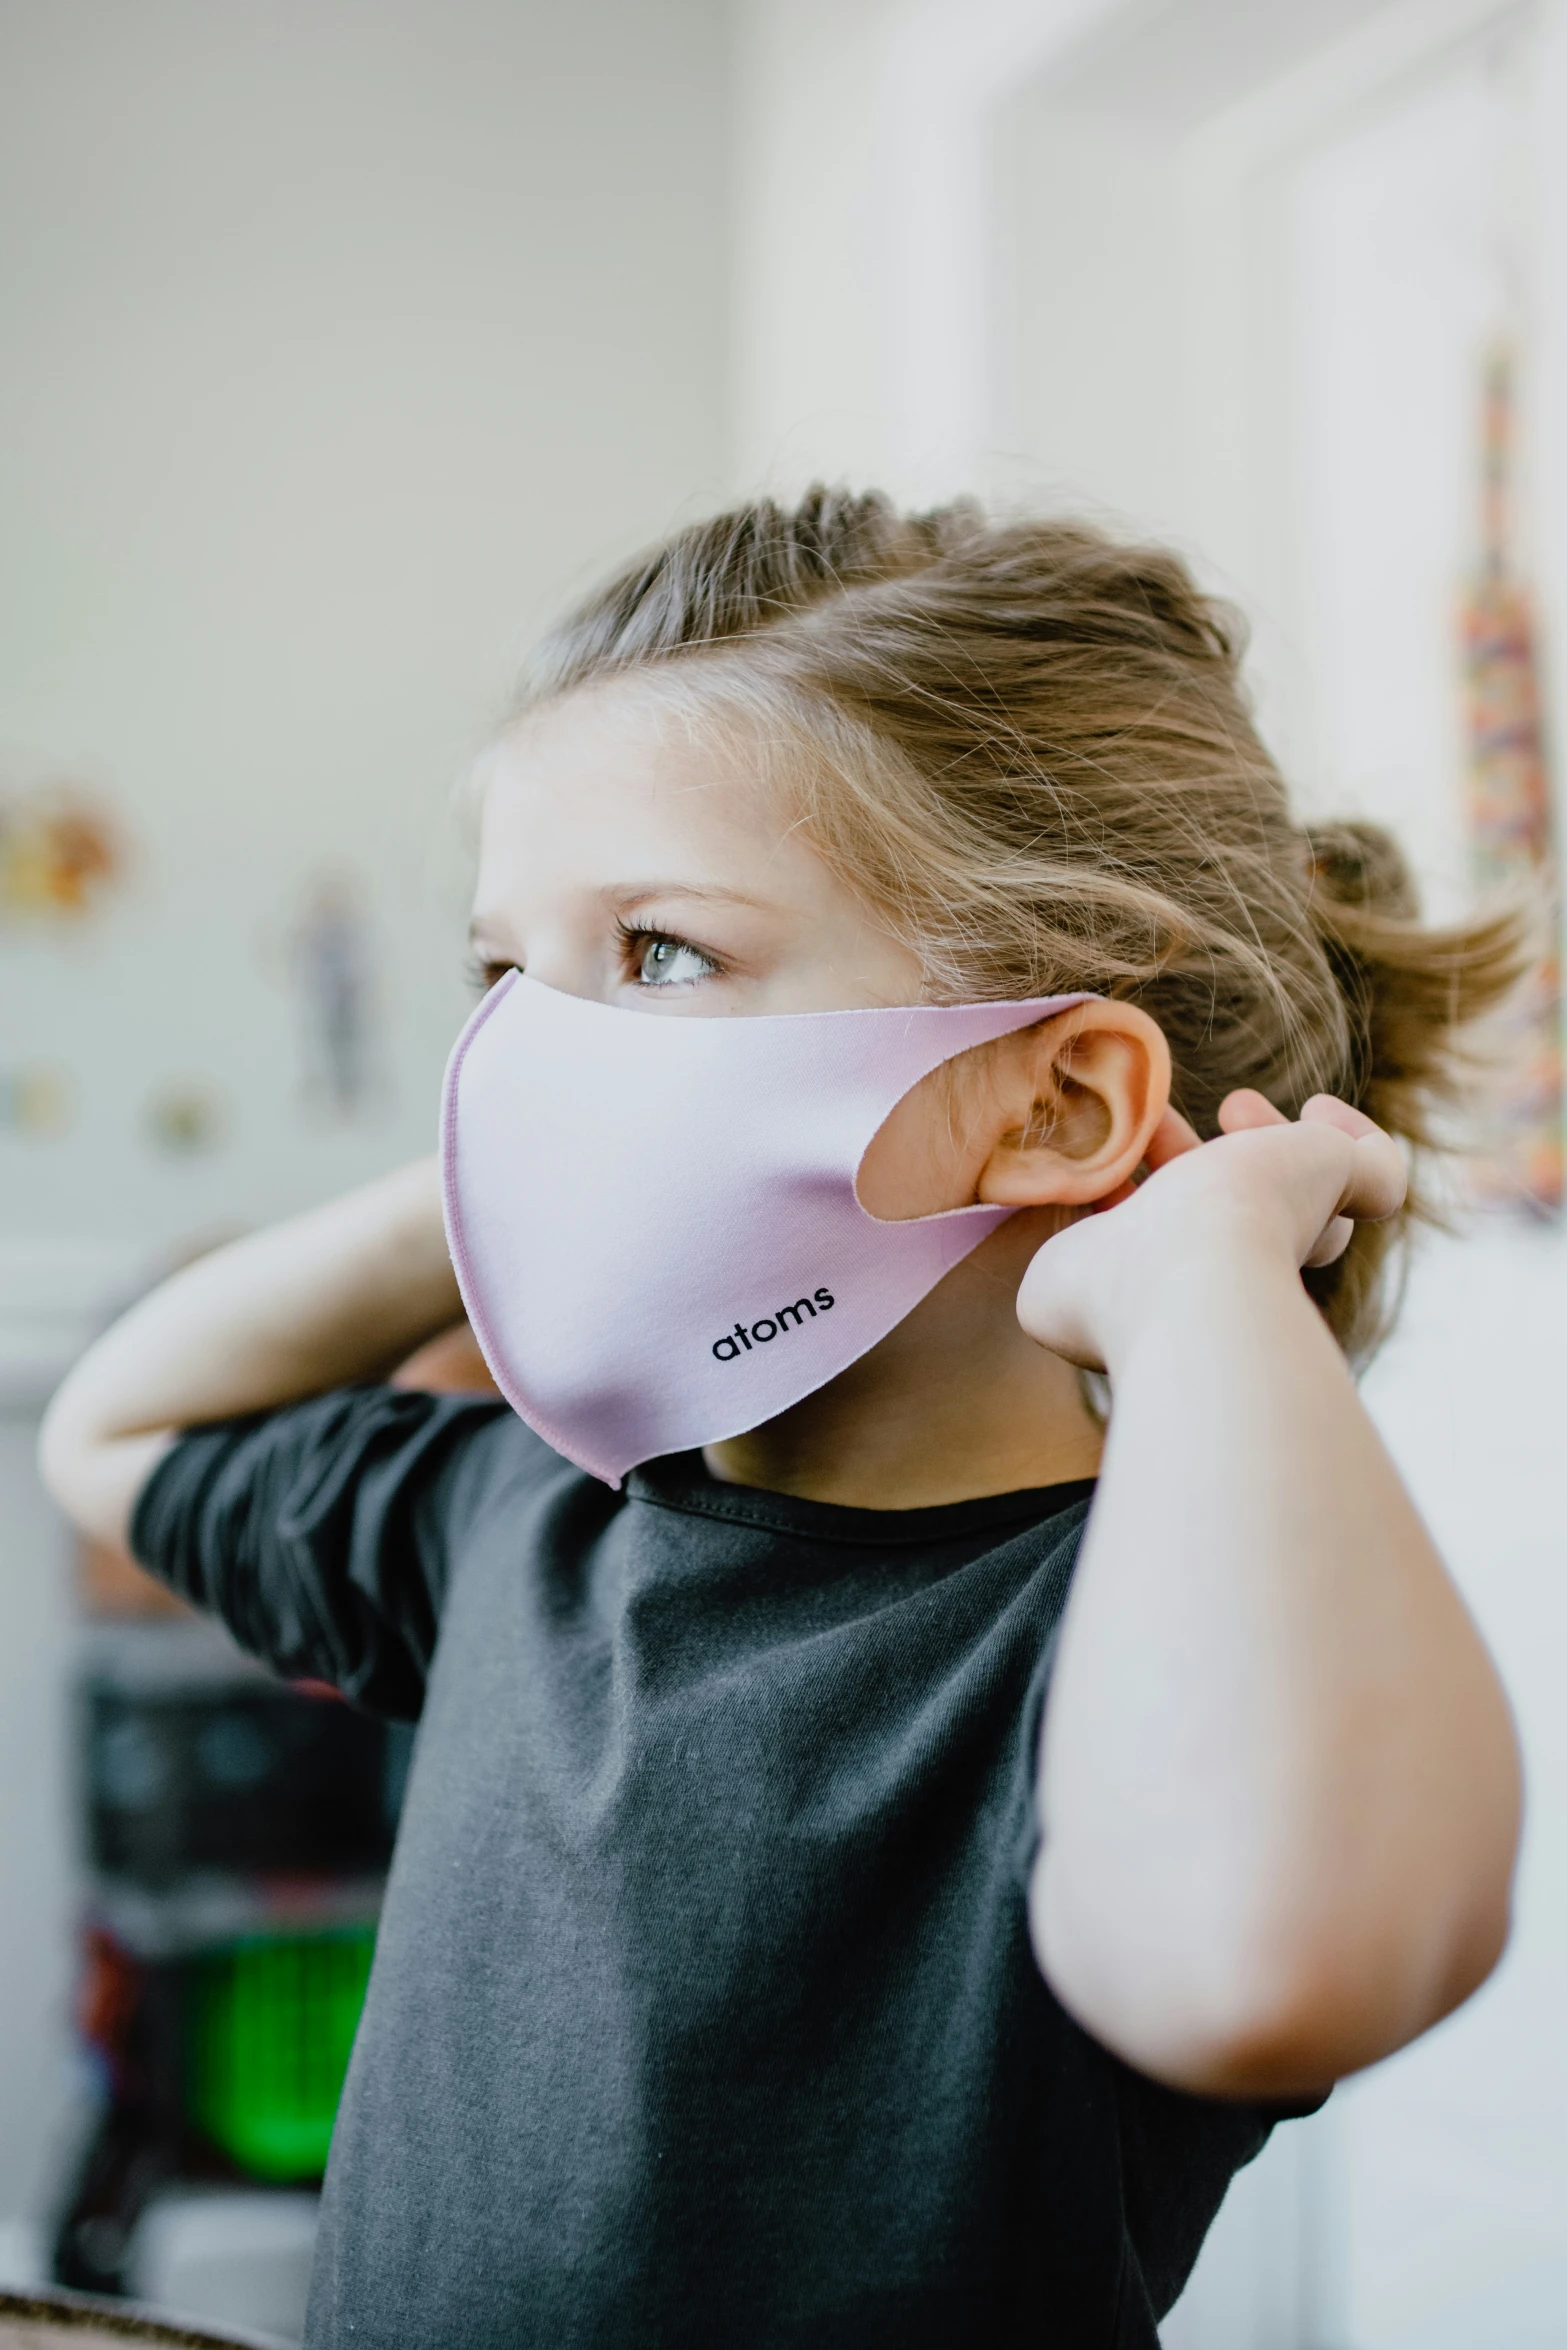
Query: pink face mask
(654, 1219)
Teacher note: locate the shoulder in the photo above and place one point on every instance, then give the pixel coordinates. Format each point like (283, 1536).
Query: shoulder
(354, 1449)
(491, 1459)
(328, 1535)
(1038, 1558)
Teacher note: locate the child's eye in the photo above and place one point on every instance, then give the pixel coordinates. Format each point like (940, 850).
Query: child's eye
(659, 961)
(481, 973)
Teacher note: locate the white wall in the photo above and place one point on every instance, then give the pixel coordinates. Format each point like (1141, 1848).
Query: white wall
(1417, 233)
(1219, 269)
(340, 340)
(36, 1786)
(865, 267)
(1450, 2186)
(1396, 256)
(807, 367)
(1087, 323)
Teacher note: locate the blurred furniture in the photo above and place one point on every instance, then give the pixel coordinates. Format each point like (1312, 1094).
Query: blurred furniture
(227, 2259)
(28, 2319)
(236, 1833)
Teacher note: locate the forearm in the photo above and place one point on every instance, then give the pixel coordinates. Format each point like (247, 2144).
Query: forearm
(1279, 1782)
(339, 1294)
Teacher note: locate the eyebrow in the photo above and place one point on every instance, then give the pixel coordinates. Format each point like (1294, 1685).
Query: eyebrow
(642, 893)
(639, 893)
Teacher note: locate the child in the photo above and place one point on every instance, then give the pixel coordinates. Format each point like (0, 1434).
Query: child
(809, 1926)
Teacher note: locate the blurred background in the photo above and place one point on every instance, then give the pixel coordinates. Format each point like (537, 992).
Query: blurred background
(341, 344)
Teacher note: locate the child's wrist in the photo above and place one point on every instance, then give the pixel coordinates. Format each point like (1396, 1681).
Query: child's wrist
(1240, 1274)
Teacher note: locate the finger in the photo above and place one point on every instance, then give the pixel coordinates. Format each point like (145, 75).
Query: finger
(1244, 1109)
(1326, 1109)
(1378, 1178)
(1171, 1139)
(1335, 1239)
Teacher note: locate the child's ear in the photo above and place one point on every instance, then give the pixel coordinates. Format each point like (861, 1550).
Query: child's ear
(1072, 1106)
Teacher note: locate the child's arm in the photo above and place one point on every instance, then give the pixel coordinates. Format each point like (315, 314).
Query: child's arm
(341, 1294)
(1279, 1781)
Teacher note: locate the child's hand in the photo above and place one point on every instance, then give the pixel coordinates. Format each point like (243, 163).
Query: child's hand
(1265, 1195)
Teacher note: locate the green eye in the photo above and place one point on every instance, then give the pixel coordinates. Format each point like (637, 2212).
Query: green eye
(668, 962)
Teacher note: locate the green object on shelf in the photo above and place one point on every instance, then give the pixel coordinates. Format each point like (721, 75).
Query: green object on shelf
(269, 2026)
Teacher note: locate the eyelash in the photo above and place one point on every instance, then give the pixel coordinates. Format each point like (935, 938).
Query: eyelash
(635, 938)
(482, 975)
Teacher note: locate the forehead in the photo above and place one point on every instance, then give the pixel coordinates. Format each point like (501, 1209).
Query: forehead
(626, 761)
(618, 802)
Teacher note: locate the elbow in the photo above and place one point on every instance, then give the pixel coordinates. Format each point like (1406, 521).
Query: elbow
(59, 1451)
(94, 1477)
(70, 1444)
(1277, 2007)
(1293, 2030)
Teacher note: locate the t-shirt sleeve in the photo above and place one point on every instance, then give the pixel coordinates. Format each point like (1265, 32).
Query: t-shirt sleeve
(324, 1535)
(1178, 2156)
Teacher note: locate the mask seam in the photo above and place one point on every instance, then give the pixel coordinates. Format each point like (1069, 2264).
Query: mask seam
(456, 1236)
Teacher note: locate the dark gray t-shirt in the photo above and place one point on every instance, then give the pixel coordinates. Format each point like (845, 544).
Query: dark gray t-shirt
(703, 2010)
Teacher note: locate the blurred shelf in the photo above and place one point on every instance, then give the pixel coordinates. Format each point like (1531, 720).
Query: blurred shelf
(165, 1656)
(203, 1913)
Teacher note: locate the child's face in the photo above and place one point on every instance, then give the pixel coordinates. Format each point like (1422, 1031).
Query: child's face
(623, 859)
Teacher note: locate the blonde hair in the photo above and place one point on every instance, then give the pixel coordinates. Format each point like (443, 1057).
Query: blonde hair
(1028, 746)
